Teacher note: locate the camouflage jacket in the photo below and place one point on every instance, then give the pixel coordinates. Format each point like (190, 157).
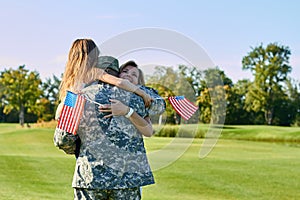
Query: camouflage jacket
(112, 153)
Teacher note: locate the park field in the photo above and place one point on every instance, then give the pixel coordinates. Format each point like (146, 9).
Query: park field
(247, 162)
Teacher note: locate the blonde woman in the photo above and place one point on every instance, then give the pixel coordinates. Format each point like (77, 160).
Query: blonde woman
(81, 70)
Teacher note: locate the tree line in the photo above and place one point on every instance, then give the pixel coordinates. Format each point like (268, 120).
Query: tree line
(25, 98)
(272, 97)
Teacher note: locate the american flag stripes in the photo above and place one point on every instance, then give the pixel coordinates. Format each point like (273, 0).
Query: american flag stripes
(183, 106)
(71, 113)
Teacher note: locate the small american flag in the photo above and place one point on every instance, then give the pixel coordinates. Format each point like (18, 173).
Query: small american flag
(183, 106)
(71, 113)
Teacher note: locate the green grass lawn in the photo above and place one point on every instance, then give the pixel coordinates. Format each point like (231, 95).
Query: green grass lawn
(32, 168)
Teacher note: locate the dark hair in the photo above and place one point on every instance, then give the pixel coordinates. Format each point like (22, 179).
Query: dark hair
(131, 63)
(141, 79)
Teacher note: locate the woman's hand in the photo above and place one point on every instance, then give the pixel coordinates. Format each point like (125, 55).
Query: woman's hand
(147, 99)
(116, 108)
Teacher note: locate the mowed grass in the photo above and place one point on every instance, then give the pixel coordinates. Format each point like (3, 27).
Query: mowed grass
(32, 168)
(233, 170)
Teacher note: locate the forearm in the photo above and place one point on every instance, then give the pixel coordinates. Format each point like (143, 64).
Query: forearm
(117, 108)
(58, 110)
(143, 126)
(125, 85)
(119, 82)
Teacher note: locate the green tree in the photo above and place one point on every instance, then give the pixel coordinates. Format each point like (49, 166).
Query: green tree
(213, 97)
(164, 80)
(192, 76)
(49, 99)
(293, 94)
(164, 92)
(270, 67)
(175, 83)
(204, 102)
(21, 90)
(2, 119)
(236, 112)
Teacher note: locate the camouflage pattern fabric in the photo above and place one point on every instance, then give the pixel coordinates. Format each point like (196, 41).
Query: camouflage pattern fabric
(65, 141)
(112, 153)
(105, 62)
(158, 106)
(118, 194)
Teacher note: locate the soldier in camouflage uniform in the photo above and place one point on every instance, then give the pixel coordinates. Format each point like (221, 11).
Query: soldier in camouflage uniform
(112, 162)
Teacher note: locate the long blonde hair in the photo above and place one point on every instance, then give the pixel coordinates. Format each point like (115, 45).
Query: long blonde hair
(80, 67)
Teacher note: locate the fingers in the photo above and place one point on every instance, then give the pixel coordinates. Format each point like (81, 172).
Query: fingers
(148, 103)
(114, 101)
(105, 106)
(147, 100)
(108, 116)
(116, 108)
(105, 110)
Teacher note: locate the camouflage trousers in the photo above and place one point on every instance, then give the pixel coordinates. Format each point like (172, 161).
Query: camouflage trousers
(115, 194)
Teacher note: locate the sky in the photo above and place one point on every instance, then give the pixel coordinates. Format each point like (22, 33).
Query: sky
(39, 34)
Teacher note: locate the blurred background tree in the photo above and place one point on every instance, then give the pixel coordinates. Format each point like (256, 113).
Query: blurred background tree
(20, 91)
(271, 97)
(270, 68)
